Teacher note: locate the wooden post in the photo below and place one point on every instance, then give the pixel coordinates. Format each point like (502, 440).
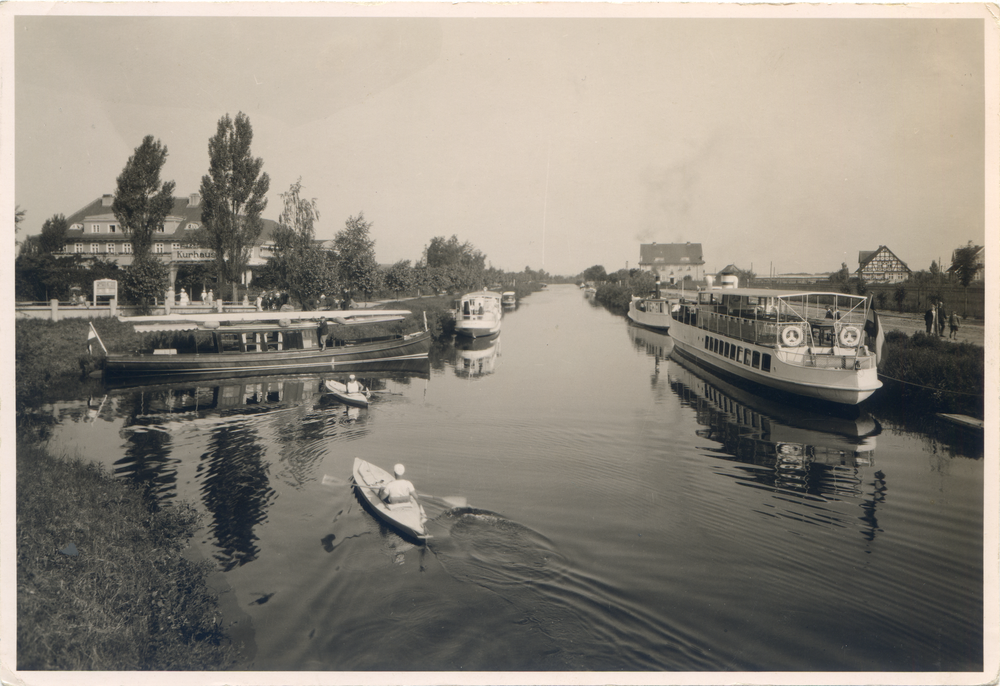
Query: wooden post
(54, 309)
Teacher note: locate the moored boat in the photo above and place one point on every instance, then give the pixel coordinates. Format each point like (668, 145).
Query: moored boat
(508, 299)
(479, 314)
(407, 517)
(652, 313)
(814, 344)
(254, 344)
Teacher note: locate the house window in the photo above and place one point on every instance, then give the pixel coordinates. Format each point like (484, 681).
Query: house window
(95, 228)
(126, 248)
(95, 247)
(78, 248)
(113, 228)
(175, 246)
(158, 248)
(192, 226)
(161, 229)
(111, 248)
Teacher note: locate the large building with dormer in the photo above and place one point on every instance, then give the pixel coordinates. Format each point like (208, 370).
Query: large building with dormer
(94, 230)
(881, 266)
(672, 262)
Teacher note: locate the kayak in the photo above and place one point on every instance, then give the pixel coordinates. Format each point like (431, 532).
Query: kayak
(407, 518)
(339, 391)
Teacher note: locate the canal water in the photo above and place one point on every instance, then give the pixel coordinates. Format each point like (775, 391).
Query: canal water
(618, 510)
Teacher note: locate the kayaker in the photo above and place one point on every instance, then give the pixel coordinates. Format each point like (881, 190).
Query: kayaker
(353, 386)
(399, 490)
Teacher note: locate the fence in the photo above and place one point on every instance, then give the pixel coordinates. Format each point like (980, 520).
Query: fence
(54, 310)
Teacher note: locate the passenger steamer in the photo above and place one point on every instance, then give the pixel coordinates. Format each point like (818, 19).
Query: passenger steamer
(479, 314)
(810, 344)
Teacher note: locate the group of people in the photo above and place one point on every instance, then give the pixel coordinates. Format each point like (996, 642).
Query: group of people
(935, 319)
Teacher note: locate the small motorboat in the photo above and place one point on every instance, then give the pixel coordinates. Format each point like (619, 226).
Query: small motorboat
(408, 517)
(339, 390)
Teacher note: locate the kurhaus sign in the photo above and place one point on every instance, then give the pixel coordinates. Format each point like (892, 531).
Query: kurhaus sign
(105, 288)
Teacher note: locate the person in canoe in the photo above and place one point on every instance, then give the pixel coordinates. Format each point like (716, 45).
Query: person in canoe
(354, 386)
(399, 490)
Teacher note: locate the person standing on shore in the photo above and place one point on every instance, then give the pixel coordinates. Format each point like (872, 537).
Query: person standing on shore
(953, 325)
(941, 317)
(929, 319)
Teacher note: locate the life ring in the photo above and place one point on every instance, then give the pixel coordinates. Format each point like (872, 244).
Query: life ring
(849, 336)
(791, 336)
(284, 322)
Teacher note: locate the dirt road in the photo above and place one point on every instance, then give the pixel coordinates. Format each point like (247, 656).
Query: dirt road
(969, 331)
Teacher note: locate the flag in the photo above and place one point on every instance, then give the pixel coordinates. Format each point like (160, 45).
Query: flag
(91, 335)
(875, 334)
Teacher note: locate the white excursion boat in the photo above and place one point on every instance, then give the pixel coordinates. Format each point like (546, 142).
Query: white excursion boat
(652, 313)
(479, 314)
(509, 298)
(813, 344)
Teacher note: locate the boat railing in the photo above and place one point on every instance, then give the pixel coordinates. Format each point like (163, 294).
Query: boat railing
(761, 332)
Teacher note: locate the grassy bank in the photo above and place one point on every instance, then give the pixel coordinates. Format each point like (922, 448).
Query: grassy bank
(929, 374)
(128, 599)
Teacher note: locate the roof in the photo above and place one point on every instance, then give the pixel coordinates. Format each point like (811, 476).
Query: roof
(670, 253)
(183, 212)
(866, 256)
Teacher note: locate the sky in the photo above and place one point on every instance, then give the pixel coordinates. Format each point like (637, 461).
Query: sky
(780, 143)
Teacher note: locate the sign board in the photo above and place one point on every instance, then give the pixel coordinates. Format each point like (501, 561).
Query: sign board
(105, 288)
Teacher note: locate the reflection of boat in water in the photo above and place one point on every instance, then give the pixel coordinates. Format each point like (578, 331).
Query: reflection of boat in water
(800, 449)
(656, 343)
(479, 314)
(476, 357)
(248, 393)
(259, 343)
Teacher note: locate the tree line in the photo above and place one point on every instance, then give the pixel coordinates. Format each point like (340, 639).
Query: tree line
(234, 197)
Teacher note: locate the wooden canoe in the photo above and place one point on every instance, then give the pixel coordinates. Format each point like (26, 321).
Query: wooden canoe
(407, 518)
(962, 420)
(339, 392)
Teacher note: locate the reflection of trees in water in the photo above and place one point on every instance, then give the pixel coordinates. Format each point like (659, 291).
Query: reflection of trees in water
(236, 490)
(147, 462)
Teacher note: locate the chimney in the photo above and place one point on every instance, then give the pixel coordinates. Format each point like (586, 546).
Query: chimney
(194, 200)
(107, 199)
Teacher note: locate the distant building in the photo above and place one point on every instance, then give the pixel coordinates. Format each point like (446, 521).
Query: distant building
(94, 230)
(672, 262)
(881, 266)
(980, 274)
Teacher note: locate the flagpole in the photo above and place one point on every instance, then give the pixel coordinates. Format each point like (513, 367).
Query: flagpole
(98, 337)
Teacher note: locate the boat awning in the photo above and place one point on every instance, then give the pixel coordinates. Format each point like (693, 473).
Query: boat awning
(166, 326)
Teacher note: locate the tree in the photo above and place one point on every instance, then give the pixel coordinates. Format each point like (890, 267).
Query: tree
(963, 263)
(595, 273)
(899, 295)
(143, 281)
(306, 270)
(356, 264)
(233, 198)
(399, 277)
(141, 202)
(53, 236)
(18, 218)
(841, 276)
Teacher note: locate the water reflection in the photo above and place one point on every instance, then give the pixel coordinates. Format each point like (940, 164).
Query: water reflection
(476, 357)
(803, 451)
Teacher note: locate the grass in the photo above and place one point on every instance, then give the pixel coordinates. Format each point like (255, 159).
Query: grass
(129, 600)
(930, 374)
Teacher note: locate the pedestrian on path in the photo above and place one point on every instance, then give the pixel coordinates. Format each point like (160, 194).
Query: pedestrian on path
(953, 325)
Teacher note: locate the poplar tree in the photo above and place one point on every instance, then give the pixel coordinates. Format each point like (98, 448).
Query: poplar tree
(141, 202)
(356, 261)
(234, 195)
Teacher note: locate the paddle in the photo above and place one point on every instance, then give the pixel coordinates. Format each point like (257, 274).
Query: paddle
(452, 501)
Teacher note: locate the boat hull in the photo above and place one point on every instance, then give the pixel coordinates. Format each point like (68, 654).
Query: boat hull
(412, 346)
(840, 386)
(653, 314)
(407, 518)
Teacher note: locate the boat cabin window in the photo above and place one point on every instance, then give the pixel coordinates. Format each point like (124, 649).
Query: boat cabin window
(746, 357)
(230, 343)
(756, 359)
(765, 363)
